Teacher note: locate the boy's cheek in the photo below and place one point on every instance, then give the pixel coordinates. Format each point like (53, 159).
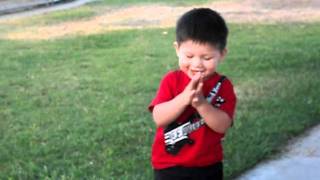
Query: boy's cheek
(183, 66)
(183, 62)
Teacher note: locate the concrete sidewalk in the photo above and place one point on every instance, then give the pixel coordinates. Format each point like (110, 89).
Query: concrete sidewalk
(300, 162)
(15, 6)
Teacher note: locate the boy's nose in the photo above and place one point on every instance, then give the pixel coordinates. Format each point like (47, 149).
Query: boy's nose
(197, 62)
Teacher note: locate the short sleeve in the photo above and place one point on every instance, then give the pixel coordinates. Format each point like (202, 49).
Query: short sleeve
(165, 91)
(227, 98)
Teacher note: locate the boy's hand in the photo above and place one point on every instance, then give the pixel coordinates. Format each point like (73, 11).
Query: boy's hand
(190, 91)
(198, 97)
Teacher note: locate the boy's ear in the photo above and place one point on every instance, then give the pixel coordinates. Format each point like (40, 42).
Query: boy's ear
(176, 46)
(224, 53)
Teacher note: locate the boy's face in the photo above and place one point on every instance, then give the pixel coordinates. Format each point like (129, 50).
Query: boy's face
(198, 58)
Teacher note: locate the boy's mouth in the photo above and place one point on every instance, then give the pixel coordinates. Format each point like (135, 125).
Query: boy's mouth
(194, 72)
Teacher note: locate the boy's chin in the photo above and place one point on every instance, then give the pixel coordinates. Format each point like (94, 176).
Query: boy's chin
(203, 76)
(193, 74)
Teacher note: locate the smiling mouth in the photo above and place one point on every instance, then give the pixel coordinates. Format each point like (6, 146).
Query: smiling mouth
(193, 72)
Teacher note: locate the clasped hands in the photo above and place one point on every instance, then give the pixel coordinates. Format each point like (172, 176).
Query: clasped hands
(192, 94)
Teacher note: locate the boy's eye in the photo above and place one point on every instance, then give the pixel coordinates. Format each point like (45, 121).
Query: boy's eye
(207, 58)
(189, 56)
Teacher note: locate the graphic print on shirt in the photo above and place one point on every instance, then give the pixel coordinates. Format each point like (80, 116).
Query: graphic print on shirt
(176, 135)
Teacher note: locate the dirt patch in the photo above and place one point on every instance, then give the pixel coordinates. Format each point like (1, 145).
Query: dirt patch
(150, 16)
(287, 4)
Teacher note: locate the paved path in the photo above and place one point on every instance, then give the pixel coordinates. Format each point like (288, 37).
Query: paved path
(14, 6)
(300, 162)
(13, 9)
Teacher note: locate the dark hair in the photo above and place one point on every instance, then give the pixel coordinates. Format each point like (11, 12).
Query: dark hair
(202, 25)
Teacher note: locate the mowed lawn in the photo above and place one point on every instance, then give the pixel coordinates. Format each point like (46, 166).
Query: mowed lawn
(76, 107)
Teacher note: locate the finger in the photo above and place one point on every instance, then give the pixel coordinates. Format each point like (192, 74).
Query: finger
(195, 100)
(194, 81)
(197, 76)
(199, 88)
(193, 92)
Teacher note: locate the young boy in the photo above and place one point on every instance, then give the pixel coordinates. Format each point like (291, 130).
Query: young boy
(194, 106)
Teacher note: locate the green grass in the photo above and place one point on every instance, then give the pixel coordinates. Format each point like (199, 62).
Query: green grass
(76, 108)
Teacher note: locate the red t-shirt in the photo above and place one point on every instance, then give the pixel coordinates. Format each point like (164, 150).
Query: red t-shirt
(207, 148)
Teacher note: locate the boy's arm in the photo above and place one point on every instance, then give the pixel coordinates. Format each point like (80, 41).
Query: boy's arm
(215, 118)
(167, 112)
